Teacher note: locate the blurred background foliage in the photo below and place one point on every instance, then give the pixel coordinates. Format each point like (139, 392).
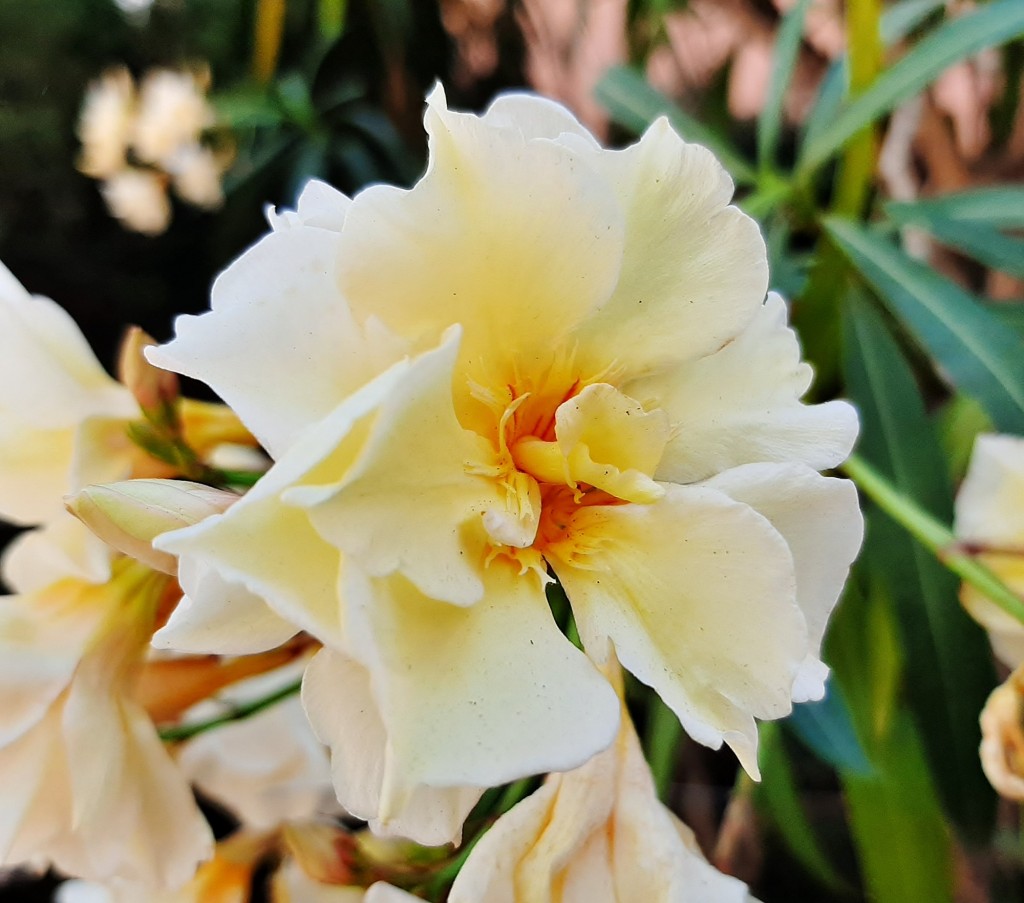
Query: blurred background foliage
(880, 145)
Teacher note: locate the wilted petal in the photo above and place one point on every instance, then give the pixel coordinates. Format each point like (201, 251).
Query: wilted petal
(742, 404)
(697, 593)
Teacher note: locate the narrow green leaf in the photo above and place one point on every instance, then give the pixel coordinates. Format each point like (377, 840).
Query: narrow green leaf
(827, 729)
(982, 357)
(981, 241)
(902, 840)
(778, 799)
(959, 423)
(956, 39)
(1009, 313)
(634, 104)
(827, 103)
(787, 50)
(900, 19)
(1001, 207)
(948, 672)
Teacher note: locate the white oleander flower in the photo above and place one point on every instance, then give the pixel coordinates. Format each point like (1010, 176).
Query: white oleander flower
(61, 415)
(990, 520)
(138, 198)
(105, 123)
(543, 358)
(87, 783)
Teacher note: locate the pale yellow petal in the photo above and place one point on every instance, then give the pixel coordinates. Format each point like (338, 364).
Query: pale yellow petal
(63, 547)
(408, 505)
(339, 701)
(514, 239)
(821, 522)
(990, 503)
(698, 594)
(742, 404)
(694, 270)
(1005, 632)
(479, 695)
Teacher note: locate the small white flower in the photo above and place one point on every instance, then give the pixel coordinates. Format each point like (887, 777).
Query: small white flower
(138, 198)
(105, 124)
(172, 114)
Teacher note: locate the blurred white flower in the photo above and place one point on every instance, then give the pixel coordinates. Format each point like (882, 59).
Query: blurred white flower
(268, 768)
(172, 113)
(138, 197)
(990, 522)
(105, 124)
(545, 357)
(196, 172)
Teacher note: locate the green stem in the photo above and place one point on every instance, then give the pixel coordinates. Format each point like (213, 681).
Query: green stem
(663, 735)
(237, 713)
(247, 478)
(933, 535)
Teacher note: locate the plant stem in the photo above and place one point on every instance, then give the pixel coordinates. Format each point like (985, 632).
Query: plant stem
(933, 535)
(237, 713)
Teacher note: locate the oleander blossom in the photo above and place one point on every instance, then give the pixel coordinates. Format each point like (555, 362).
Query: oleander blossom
(544, 359)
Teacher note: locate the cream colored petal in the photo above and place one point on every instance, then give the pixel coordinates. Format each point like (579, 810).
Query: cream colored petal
(741, 405)
(339, 701)
(479, 695)
(34, 773)
(593, 834)
(821, 522)
(610, 442)
(61, 548)
(280, 345)
(990, 503)
(218, 617)
(49, 376)
(698, 594)
(515, 239)
(1002, 737)
(408, 503)
(34, 471)
(535, 117)
(103, 452)
(387, 893)
(145, 828)
(266, 769)
(694, 270)
(291, 884)
(1005, 632)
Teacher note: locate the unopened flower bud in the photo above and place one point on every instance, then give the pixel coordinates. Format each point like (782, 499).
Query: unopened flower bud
(130, 514)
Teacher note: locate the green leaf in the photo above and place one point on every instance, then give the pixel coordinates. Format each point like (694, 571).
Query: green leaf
(1001, 207)
(778, 798)
(956, 39)
(1010, 314)
(982, 357)
(948, 666)
(900, 19)
(247, 107)
(959, 423)
(787, 50)
(634, 104)
(827, 729)
(902, 840)
(978, 240)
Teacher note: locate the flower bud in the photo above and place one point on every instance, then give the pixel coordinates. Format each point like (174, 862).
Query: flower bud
(130, 514)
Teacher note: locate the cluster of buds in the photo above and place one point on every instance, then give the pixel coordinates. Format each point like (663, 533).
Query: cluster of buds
(142, 141)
